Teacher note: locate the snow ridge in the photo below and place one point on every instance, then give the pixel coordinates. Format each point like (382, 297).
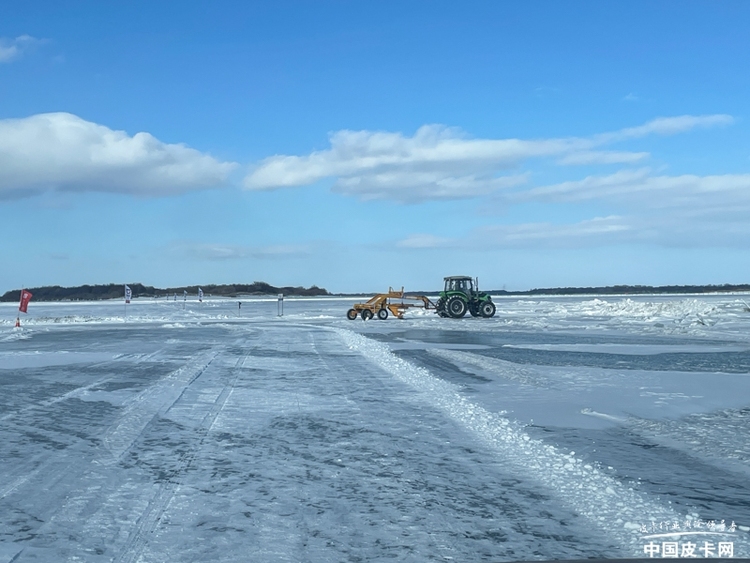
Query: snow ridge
(612, 506)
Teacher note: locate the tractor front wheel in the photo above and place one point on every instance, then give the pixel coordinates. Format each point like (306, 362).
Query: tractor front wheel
(351, 314)
(487, 309)
(456, 307)
(383, 314)
(366, 314)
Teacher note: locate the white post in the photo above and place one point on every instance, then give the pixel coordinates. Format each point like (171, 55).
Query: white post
(280, 305)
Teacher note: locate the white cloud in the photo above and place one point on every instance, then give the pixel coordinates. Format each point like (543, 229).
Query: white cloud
(641, 189)
(442, 163)
(678, 228)
(412, 186)
(207, 251)
(436, 163)
(602, 157)
(590, 232)
(12, 49)
(684, 210)
(597, 230)
(666, 126)
(61, 151)
(424, 241)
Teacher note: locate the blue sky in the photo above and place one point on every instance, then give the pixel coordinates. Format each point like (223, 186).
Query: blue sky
(356, 146)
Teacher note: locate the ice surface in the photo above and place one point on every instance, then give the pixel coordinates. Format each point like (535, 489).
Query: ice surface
(561, 428)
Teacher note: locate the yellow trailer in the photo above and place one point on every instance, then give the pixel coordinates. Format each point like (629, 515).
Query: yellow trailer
(383, 304)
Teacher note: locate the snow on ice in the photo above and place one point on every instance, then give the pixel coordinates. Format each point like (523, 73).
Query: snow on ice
(561, 428)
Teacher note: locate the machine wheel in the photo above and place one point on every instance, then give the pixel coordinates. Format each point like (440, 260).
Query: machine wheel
(474, 309)
(351, 314)
(487, 309)
(440, 307)
(383, 314)
(366, 314)
(456, 307)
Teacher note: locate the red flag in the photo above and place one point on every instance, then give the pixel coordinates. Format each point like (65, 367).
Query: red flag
(25, 298)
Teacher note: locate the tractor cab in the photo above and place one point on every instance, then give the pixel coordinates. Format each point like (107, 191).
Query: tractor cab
(463, 284)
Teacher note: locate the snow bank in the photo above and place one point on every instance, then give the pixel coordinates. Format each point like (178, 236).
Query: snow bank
(611, 505)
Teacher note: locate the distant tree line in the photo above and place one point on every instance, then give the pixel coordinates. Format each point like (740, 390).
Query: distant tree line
(115, 291)
(629, 290)
(608, 290)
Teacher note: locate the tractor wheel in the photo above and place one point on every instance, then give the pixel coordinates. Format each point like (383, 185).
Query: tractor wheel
(474, 309)
(456, 307)
(383, 314)
(351, 314)
(487, 309)
(440, 306)
(366, 314)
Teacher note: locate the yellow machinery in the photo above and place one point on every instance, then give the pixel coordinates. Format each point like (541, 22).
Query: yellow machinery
(384, 303)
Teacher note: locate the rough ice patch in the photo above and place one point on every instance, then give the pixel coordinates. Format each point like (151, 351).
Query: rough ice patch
(507, 370)
(37, 359)
(612, 506)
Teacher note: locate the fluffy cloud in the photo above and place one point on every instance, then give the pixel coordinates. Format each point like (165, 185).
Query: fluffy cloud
(60, 151)
(11, 49)
(442, 163)
(207, 251)
(413, 186)
(667, 126)
(640, 189)
(599, 230)
(677, 211)
(435, 152)
(602, 157)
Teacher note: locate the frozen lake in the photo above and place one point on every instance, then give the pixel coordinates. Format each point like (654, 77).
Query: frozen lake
(563, 428)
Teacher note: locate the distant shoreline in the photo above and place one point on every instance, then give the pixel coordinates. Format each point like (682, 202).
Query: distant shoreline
(256, 289)
(605, 290)
(117, 291)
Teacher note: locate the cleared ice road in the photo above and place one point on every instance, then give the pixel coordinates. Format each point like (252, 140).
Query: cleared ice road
(250, 442)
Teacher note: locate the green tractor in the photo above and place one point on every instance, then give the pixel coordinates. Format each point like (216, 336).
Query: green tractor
(461, 294)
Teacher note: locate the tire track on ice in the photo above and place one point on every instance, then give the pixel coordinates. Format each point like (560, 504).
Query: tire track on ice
(446, 547)
(58, 474)
(151, 403)
(152, 516)
(40, 406)
(609, 504)
(73, 393)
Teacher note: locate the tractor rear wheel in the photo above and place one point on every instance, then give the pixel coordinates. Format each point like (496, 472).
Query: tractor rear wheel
(456, 306)
(351, 314)
(487, 309)
(383, 314)
(440, 308)
(366, 314)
